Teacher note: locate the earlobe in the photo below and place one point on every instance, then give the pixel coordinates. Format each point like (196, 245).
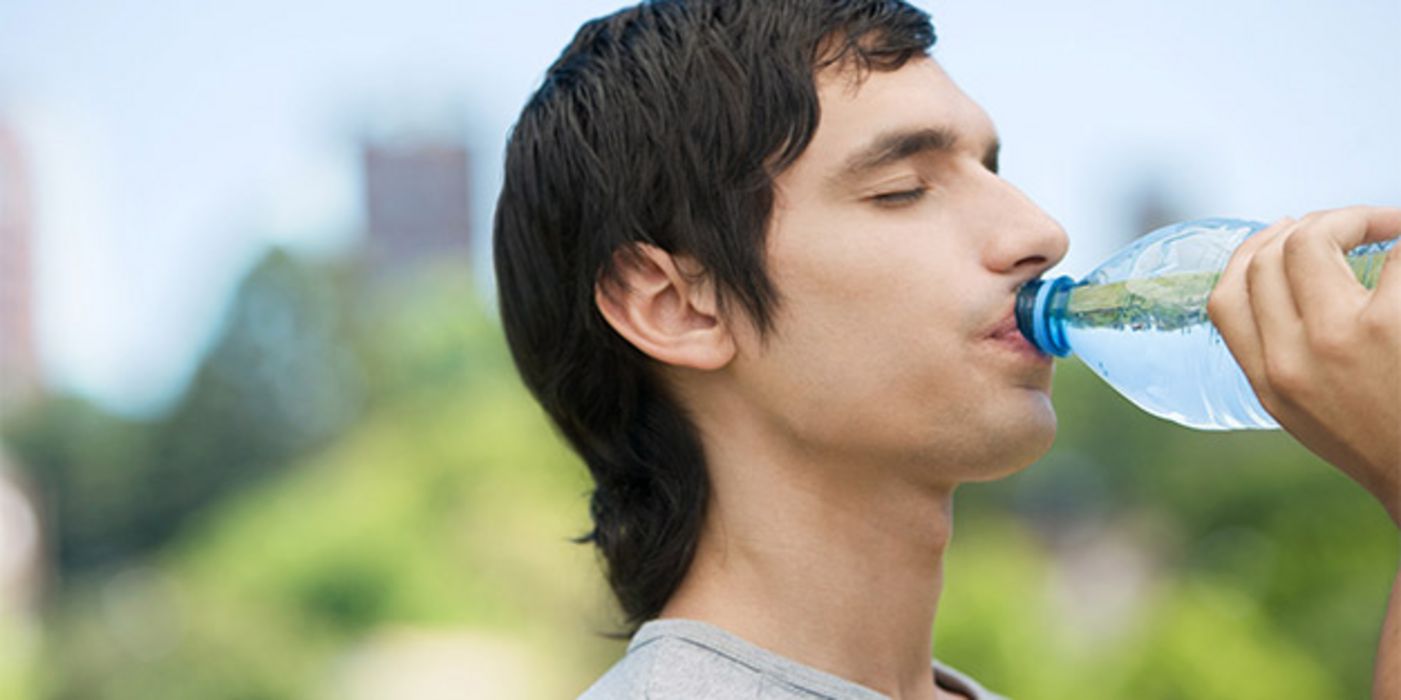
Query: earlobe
(666, 307)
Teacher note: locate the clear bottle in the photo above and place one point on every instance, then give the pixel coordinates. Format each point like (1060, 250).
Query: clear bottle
(1140, 322)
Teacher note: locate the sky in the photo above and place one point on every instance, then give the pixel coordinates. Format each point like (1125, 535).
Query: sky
(171, 142)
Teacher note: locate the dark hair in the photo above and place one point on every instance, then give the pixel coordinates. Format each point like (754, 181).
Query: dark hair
(665, 124)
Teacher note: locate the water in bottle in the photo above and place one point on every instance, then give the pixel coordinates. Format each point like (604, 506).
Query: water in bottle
(1140, 322)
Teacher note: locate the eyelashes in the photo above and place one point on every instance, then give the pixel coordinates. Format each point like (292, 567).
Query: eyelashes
(901, 198)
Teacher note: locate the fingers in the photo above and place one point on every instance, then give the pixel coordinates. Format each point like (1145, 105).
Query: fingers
(1288, 293)
(1322, 353)
(1231, 309)
(1377, 224)
(1272, 299)
(1325, 288)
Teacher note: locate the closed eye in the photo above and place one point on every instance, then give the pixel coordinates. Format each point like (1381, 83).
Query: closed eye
(901, 198)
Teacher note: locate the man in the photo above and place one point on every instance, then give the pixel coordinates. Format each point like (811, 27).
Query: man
(756, 263)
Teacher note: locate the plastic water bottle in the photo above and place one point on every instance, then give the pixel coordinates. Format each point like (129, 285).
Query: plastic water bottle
(1140, 322)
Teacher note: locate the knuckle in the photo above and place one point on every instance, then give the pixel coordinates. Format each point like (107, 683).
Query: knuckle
(1215, 307)
(1294, 245)
(1346, 217)
(1331, 345)
(1271, 403)
(1255, 265)
(1219, 301)
(1381, 324)
(1286, 378)
(1258, 267)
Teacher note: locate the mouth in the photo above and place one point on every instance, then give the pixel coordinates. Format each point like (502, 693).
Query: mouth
(1005, 335)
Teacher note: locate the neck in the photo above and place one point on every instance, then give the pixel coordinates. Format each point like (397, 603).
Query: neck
(835, 565)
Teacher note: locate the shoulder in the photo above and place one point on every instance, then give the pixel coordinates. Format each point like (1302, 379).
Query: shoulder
(670, 668)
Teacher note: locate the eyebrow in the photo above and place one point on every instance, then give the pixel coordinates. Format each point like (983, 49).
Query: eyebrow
(896, 146)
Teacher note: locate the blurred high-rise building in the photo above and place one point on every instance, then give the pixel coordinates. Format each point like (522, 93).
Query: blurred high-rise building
(19, 366)
(416, 196)
(1153, 202)
(19, 375)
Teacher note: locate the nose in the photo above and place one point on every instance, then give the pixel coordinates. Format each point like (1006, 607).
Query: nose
(1025, 240)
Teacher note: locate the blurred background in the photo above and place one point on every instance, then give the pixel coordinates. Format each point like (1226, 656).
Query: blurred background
(260, 437)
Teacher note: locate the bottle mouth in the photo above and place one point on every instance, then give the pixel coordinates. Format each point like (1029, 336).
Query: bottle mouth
(1026, 310)
(1039, 327)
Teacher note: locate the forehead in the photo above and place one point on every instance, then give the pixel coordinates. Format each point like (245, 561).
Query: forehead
(920, 95)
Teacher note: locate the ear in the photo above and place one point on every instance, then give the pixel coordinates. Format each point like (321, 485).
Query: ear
(666, 307)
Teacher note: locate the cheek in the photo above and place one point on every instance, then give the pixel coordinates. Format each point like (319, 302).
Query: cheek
(877, 317)
(853, 275)
(871, 347)
(867, 377)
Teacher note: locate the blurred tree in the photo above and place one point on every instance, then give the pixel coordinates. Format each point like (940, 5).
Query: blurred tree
(1249, 519)
(281, 379)
(448, 507)
(83, 462)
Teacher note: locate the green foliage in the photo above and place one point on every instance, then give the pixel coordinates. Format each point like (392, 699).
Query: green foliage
(280, 380)
(17, 667)
(88, 467)
(1269, 569)
(1004, 615)
(449, 506)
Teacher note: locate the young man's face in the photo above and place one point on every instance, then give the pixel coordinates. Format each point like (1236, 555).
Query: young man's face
(897, 251)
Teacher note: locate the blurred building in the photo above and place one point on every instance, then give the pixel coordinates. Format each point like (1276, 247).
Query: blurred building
(416, 196)
(19, 366)
(1153, 203)
(19, 375)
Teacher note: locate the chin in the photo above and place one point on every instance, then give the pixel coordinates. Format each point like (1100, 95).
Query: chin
(1017, 445)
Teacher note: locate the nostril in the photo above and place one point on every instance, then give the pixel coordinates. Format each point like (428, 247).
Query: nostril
(1037, 261)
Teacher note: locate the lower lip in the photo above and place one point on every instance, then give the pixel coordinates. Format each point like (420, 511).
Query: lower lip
(1015, 343)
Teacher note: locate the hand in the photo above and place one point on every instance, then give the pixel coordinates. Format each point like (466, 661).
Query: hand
(1323, 352)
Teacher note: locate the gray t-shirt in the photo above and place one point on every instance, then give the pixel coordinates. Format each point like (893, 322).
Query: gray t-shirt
(690, 660)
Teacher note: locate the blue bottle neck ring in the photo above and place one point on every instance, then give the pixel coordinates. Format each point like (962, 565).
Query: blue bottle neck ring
(1040, 311)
